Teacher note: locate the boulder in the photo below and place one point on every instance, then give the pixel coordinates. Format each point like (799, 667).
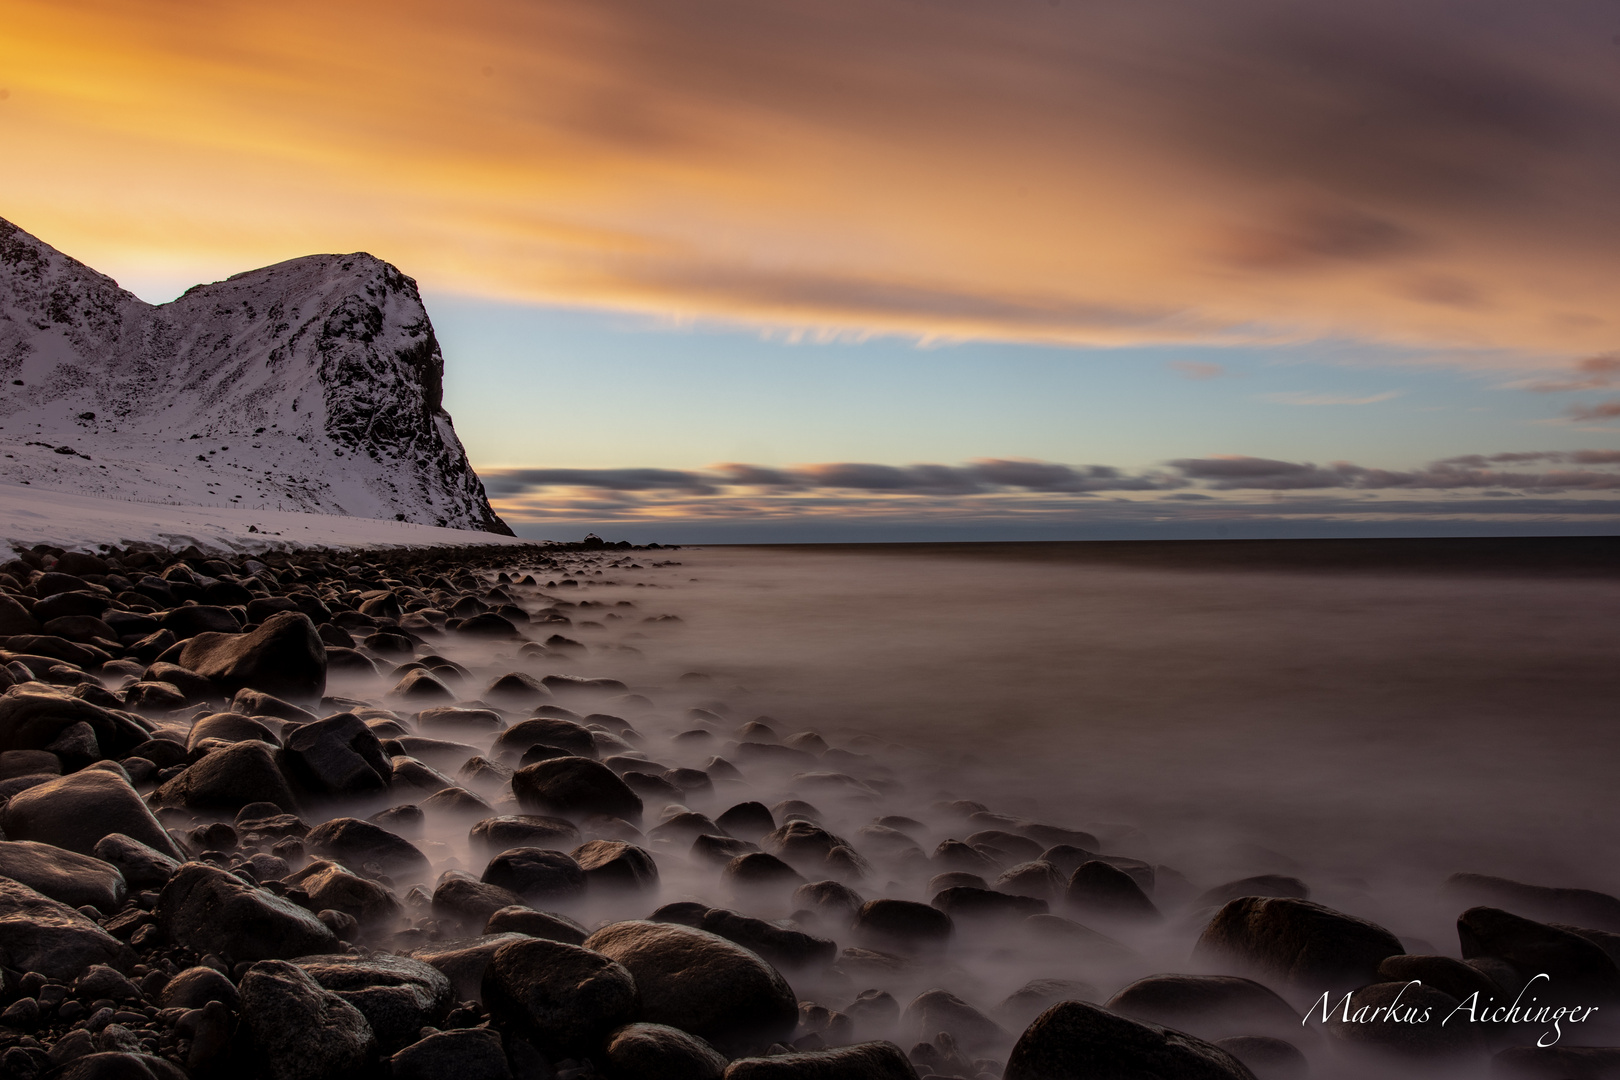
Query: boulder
(143, 867)
(1579, 970)
(75, 880)
(563, 998)
(536, 874)
(197, 986)
(1259, 885)
(616, 865)
(330, 885)
(574, 787)
(863, 1061)
(361, 844)
(934, 1011)
(660, 1052)
(398, 996)
(1099, 889)
(778, 946)
(902, 925)
(229, 727)
(284, 657)
(230, 778)
(463, 961)
(338, 756)
(1076, 1041)
(75, 812)
(1299, 941)
(518, 919)
(702, 984)
(300, 1031)
(34, 716)
(460, 896)
(555, 731)
(965, 903)
(211, 911)
(47, 936)
(524, 830)
(466, 1054)
(1583, 907)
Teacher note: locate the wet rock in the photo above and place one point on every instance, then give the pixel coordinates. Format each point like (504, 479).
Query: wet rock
(1259, 885)
(197, 986)
(466, 1054)
(563, 998)
(330, 885)
(1583, 907)
(1298, 941)
(1038, 878)
(463, 960)
(536, 874)
(574, 787)
(720, 850)
(462, 897)
(756, 871)
(547, 731)
(702, 984)
(937, 1010)
(34, 716)
(863, 1061)
(211, 911)
(75, 812)
(116, 1065)
(957, 879)
(1405, 1020)
(956, 855)
(257, 703)
(300, 1031)
(776, 945)
(337, 757)
(1267, 1058)
(49, 937)
(903, 925)
(191, 620)
(967, 903)
(142, 867)
(1077, 1041)
(747, 821)
(684, 828)
(832, 900)
(1209, 1006)
(284, 657)
(230, 778)
(420, 687)
(398, 996)
(1104, 891)
(1579, 971)
(503, 832)
(1441, 972)
(660, 1052)
(229, 727)
(518, 919)
(75, 880)
(362, 844)
(616, 865)
(1023, 1005)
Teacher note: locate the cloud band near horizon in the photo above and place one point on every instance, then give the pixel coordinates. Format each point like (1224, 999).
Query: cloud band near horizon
(1497, 484)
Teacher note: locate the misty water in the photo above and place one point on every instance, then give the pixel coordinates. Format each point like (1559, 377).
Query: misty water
(1367, 733)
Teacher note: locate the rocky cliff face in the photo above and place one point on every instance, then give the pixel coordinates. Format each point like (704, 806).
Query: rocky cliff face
(314, 385)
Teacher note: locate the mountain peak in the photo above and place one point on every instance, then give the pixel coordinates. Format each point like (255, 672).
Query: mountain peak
(314, 384)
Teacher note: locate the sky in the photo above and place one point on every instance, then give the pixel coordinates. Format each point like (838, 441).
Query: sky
(882, 269)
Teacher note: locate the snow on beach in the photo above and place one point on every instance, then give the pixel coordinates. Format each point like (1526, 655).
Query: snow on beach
(31, 515)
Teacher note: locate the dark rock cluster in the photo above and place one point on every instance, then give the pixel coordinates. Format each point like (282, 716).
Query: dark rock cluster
(317, 815)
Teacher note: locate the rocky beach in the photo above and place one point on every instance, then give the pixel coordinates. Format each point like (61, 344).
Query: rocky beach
(418, 813)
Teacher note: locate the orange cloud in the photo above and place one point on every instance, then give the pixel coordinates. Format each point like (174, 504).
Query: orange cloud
(1439, 174)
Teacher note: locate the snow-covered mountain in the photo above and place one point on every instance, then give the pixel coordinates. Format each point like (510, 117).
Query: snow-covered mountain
(312, 385)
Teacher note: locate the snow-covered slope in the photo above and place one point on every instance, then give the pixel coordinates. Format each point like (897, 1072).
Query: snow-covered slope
(312, 385)
(31, 515)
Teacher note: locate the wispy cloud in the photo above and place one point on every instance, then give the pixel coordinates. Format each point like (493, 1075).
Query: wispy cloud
(1306, 397)
(1425, 174)
(1603, 410)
